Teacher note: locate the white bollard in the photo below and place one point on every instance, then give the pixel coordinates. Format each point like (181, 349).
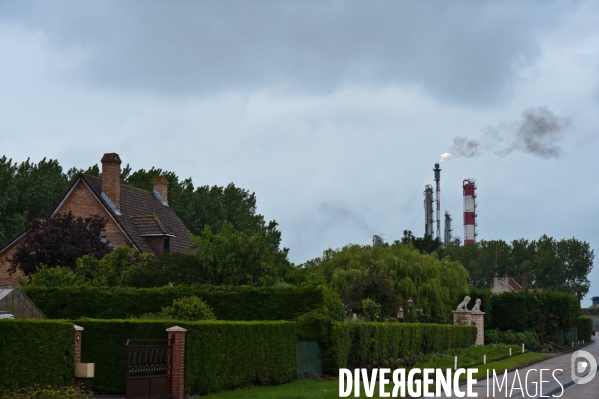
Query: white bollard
(522, 348)
(455, 363)
(572, 344)
(510, 352)
(485, 359)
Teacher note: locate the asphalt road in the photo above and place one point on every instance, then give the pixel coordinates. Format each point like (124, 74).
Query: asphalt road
(555, 371)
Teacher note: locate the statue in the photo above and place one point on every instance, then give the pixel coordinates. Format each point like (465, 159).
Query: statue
(462, 306)
(477, 305)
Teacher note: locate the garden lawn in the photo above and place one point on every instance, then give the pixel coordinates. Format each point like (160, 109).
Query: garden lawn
(307, 389)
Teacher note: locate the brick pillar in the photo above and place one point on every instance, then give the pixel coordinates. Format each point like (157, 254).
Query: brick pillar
(462, 317)
(176, 336)
(77, 342)
(478, 320)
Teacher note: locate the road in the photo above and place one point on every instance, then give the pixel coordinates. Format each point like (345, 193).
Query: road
(555, 369)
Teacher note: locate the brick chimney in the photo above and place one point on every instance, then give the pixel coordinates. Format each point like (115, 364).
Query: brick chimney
(524, 281)
(161, 188)
(111, 178)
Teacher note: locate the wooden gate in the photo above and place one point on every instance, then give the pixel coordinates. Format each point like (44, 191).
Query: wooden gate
(148, 372)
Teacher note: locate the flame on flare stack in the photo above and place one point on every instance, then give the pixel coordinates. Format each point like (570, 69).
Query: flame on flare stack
(445, 155)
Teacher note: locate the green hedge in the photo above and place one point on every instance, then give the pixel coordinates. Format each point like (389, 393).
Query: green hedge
(228, 303)
(585, 329)
(363, 344)
(545, 312)
(219, 354)
(36, 352)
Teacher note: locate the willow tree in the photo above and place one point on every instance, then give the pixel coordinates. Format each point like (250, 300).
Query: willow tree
(434, 285)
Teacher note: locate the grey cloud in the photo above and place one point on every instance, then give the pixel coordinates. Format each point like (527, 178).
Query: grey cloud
(462, 147)
(459, 51)
(538, 133)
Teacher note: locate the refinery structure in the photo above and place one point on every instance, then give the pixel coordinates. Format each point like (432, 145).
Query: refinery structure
(432, 219)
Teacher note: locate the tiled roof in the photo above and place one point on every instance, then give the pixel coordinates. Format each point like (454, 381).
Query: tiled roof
(151, 225)
(143, 214)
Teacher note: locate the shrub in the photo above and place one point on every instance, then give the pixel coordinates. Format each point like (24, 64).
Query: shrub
(371, 310)
(585, 329)
(544, 312)
(363, 344)
(35, 352)
(55, 277)
(45, 392)
(510, 337)
(228, 303)
(219, 355)
(189, 308)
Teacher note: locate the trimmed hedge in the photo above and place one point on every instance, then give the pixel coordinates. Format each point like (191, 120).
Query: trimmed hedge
(363, 344)
(585, 329)
(542, 311)
(219, 355)
(228, 303)
(36, 352)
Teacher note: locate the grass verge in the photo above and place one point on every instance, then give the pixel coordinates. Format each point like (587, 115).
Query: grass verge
(307, 389)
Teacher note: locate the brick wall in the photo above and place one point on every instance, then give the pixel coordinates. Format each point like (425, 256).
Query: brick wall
(5, 278)
(83, 203)
(155, 243)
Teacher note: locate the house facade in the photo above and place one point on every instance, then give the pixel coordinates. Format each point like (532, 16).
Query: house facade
(508, 284)
(138, 218)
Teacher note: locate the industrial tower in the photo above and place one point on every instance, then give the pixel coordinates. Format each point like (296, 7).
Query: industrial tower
(448, 229)
(469, 188)
(437, 171)
(428, 210)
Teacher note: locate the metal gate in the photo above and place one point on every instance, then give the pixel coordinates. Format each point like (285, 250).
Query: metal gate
(148, 371)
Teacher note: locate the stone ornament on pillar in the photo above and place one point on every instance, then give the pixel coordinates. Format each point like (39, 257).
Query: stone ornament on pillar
(176, 335)
(464, 317)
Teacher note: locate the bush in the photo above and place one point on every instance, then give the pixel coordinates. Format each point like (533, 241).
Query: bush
(228, 303)
(510, 337)
(585, 329)
(544, 312)
(189, 308)
(35, 352)
(371, 310)
(55, 277)
(45, 392)
(219, 355)
(363, 344)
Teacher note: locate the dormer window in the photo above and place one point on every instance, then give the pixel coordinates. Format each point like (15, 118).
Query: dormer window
(166, 244)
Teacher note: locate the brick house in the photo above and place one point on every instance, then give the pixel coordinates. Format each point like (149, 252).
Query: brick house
(138, 218)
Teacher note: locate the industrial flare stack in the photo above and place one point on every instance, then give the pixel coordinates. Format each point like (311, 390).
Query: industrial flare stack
(437, 171)
(469, 189)
(469, 192)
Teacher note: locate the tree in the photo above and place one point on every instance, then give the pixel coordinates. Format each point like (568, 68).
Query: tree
(434, 285)
(59, 242)
(28, 191)
(550, 264)
(426, 244)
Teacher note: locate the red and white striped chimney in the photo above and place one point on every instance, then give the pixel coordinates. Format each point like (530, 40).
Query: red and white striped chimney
(469, 187)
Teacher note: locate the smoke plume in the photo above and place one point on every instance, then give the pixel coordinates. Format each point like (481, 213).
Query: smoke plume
(539, 133)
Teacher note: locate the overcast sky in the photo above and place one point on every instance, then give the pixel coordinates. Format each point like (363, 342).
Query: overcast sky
(332, 112)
